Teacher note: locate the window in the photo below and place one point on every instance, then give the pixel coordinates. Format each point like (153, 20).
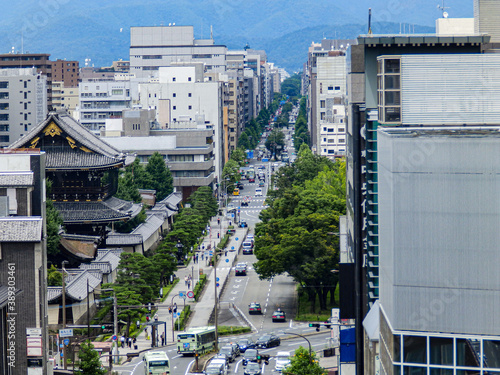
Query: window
(25, 95)
(324, 129)
(341, 140)
(117, 92)
(4, 85)
(4, 95)
(322, 103)
(25, 105)
(337, 88)
(4, 117)
(25, 128)
(4, 138)
(189, 79)
(4, 106)
(341, 130)
(190, 107)
(4, 128)
(173, 79)
(322, 115)
(25, 84)
(174, 107)
(330, 88)
(174, 95)
(189, 95)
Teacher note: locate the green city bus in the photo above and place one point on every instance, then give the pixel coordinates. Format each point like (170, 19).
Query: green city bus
(156, 363)
(196, 340)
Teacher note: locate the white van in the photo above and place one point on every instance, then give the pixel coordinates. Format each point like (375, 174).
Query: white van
(247, 247)
(258, 192)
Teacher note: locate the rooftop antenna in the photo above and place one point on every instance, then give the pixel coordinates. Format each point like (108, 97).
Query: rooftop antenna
(370, 21)
(211, 32)
(443, 9)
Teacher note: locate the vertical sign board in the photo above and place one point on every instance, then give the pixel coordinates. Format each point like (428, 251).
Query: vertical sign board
(34, 342)
(347, 344)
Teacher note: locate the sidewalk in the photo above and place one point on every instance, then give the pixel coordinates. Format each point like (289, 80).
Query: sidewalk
(202, 310)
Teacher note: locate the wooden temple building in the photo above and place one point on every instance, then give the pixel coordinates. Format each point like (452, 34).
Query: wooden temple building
(84, 174)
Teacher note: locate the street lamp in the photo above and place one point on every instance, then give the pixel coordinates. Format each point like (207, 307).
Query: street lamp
(179, 247)
(296, 334)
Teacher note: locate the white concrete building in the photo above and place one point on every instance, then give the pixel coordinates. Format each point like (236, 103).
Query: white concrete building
(23, 102)
(180, 96)
(153, 47)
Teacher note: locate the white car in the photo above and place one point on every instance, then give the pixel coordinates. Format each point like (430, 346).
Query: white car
(282, 361)
(258, 192)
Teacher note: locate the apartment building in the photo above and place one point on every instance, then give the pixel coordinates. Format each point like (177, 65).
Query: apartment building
(64, 97)
(153, 47)
(101, 100)
(23, 102)
(67, 72)
(40, 61)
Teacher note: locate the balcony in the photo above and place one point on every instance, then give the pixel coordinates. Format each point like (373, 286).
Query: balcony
(194, 181)
(191, 165)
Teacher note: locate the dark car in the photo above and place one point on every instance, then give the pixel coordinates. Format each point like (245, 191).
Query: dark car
(254, 308)
(239, 185)
(253, 369)
(250, 356)
(215, 369)
(243, 224)
(268, 341)
(245, 344)
(279, 316)
(236, 348)
(251, 179)
(240, 269)
(229, 351)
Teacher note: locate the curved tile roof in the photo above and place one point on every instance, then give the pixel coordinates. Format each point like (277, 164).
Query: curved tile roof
(111, 209)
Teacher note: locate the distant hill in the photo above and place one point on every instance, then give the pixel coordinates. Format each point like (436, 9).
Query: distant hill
(100, 30)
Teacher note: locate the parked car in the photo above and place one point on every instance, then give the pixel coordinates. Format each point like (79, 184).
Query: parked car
(254, 308)
(253, 369)
(279, 316)
(268, 341)
(229, 351)
(240, 269)
(245, 344)
(250, 356)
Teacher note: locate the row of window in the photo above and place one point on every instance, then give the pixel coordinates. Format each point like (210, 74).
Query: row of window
(341, 140)
(332, 130)
(175, 107)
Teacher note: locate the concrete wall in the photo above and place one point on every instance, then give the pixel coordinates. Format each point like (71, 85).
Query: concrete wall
(439, 212)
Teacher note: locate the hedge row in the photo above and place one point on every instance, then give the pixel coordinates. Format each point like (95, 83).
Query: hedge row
(183, 318)
(198, 288)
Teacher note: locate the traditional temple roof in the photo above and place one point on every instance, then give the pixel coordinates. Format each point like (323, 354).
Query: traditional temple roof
(82, 247)
(76, 285)
(119, 239)
(111, 209)
(69, 145)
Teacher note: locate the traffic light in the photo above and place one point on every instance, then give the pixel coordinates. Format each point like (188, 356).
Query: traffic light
(170, 310)
(315, 325)
(175, 309)
(103, 326)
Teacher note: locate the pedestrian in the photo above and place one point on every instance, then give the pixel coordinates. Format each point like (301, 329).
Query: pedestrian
(156, 317)
(202, 256)
(196, 258)
(130, 342)
(185, 280)
(162, 338)
(122, 340)
(218, 221)
(189, 284)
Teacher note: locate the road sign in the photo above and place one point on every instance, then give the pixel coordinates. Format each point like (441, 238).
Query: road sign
(232, 247)
(217, 285)
(68, 332)
(211, 253)
(236, 238)
(190, 294)
(66, 342)
(182, 295)
(227, 260)
(37, 332)
(217, 279)
(114, 338)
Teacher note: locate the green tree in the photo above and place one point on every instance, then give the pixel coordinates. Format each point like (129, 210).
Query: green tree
(54, 276)
(303, 364)
(239, 156)
(291, 85)
(54, 222)
(129, 225)
(275, 142)
(244, 141)
(161, 177)
(89, 361)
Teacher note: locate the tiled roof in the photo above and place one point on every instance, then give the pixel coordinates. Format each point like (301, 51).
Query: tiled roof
(173, 200)
(21, 229)
(76, 285)
(83, 247)
(107, 261)
(118, 239)
(4, 295)
(16, 179)
(102, 154)
(111, 209)
(78, 159)
(150, 226)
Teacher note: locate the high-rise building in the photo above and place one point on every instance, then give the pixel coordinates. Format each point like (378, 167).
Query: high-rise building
(23, 102)
(153, 47)
(366, 111)
(40, 61)
(67, 72)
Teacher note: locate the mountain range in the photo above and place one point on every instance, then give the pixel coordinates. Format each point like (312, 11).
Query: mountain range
(100, 31)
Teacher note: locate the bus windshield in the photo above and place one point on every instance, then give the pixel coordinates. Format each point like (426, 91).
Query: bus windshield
(158, 363)
(184, 336)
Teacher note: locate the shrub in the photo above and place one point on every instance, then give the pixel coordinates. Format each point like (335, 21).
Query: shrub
(182, 320)
(198, 288)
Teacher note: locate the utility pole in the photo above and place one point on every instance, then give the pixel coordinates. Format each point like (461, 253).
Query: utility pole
(115, 323)
(64, 308)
